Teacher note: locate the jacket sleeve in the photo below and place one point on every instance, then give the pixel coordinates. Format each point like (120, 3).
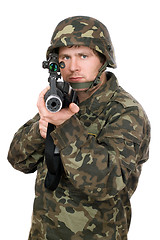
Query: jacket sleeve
(27, 147)
(102, 165)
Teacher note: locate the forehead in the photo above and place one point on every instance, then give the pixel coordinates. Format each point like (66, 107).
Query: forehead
(75, 49)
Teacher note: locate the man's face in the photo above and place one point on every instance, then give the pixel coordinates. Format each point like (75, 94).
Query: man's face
(81, 64)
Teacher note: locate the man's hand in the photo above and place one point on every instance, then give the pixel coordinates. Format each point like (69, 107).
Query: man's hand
(55, 118)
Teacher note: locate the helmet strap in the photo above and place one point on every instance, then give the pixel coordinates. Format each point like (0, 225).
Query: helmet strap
(91, 84)
(80, 85)
(97, 79)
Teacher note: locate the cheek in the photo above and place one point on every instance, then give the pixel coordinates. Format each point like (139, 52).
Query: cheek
(94, 70)
(63, 72)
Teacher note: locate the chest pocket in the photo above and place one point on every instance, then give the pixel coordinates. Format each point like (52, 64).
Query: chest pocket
(95, 127)
(93, 121)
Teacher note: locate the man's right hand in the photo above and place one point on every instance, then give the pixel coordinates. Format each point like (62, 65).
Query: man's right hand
(57, 118)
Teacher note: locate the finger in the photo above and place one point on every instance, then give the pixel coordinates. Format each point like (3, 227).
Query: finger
(43, 124)
(43, 134)
(43, 128)
(73, 108)
(66, 113)
(41, 103)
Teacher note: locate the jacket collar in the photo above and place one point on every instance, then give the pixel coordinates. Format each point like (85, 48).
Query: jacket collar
(102, 96)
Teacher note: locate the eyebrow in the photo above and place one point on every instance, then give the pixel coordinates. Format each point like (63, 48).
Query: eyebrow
(63, 55)
(81, 53)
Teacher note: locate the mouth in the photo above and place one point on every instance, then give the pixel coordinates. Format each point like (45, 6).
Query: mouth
(75, 79)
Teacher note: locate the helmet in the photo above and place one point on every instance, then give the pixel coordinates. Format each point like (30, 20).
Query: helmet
(84, 31)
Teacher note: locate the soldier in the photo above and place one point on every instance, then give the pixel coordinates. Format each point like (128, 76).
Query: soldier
(101, 143)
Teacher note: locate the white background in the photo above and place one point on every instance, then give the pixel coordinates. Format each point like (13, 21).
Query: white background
(26, 28)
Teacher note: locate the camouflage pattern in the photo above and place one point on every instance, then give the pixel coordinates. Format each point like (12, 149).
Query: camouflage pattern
(84, 31)
(102, 149)
(27, 143)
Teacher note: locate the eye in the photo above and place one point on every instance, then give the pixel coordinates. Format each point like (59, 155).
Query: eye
(83, 56)
(66, 57)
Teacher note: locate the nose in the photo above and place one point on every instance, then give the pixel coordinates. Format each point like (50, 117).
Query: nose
(74, 65)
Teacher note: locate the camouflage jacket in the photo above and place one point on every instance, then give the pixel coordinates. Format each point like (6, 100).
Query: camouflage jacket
(102, 149)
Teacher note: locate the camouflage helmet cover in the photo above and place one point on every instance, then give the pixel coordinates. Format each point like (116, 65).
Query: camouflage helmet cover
(85, 31)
